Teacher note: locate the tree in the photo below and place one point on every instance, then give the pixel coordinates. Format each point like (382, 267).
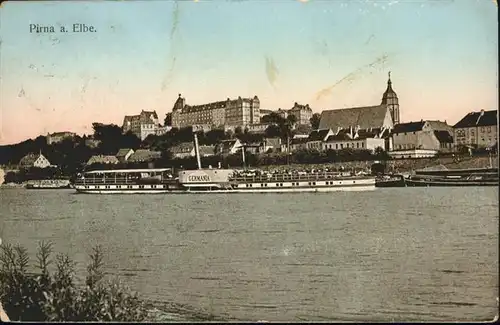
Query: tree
(238, 130)
(381, 154)
(273, 117)
(273, 131)
(291, 119)
(168, 120)
(106, 131)
(214, 136)
(130, 140)
(314, 120)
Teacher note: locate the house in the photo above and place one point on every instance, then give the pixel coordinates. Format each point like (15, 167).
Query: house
(206, 151)
(254, 148)
(229, 146)
(355, 139)
(257, 128)
(144, 155)
(32, 160)
(59, 136)
(445, 139)
(317, 137)
(183, 150)
(103, 159)
(273, 144)
(186, 149)
(124, 154)
(421, 139)
(295, 144)
(477, 129)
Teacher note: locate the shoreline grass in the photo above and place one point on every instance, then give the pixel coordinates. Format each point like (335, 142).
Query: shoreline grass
(53, 295)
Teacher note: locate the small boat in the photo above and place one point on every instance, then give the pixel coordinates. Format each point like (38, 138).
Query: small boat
(48, 184)
(475, 177)
(390, 181)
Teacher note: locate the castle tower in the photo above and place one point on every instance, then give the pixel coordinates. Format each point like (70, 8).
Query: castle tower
(391, 100)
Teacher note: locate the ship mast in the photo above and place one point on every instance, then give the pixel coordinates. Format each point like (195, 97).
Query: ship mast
(197, 150)
(243, 148)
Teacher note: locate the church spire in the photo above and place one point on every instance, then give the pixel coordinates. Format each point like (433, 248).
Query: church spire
(390, 98)
(389, 83)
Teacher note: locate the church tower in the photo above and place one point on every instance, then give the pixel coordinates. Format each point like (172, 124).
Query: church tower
(391, 100)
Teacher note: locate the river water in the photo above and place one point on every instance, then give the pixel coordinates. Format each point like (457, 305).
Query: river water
(395, 254)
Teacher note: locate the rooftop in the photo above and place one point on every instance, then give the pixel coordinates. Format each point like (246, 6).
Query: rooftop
(363, 117)
(481, 118)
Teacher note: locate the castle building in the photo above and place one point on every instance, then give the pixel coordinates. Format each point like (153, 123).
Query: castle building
(59, 136)
(302, 113)
(236, 112)
(141, 125)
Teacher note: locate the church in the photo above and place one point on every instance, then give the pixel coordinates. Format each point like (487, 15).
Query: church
(382, 117)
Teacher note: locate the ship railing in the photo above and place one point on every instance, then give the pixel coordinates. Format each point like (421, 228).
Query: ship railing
(290, 177)
(113, 180)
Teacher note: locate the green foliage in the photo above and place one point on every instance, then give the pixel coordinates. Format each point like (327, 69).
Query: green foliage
(314, 120)
(43, 296)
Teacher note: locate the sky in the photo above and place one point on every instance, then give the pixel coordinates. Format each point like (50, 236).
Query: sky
(329, 54)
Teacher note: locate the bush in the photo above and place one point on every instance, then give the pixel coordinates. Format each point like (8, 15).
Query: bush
(43, 296)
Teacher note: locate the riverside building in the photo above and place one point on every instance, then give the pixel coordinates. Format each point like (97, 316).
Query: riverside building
(141, 125)
(236, 112)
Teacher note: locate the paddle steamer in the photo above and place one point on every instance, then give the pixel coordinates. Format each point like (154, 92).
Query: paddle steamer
(212, 180)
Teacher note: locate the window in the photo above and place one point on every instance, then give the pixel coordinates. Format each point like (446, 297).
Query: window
(489, 129)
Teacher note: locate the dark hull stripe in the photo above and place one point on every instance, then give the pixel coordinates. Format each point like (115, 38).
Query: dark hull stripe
(427, 183)
(236, 189)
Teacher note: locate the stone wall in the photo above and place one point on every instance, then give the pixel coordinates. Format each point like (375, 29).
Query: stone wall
(400, 165)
